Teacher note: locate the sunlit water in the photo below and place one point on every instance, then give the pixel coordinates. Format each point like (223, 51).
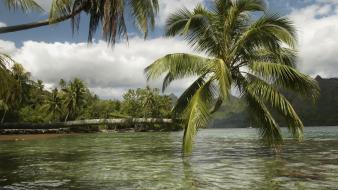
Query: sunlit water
(222, 159)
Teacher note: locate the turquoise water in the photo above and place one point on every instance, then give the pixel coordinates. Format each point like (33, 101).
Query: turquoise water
(222, 159)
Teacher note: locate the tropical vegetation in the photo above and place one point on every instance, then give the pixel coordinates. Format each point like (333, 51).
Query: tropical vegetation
(242, 49)
(25, 100)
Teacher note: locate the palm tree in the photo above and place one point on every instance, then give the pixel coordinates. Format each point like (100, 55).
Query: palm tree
(53, 104)
(62, 84)
(108, 14)
(22, 77)
(148, 102)
(254, 56)
(74, 97)
(10, 89)
(5, 73)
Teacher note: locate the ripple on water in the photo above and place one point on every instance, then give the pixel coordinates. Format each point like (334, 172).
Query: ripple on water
(222, 159)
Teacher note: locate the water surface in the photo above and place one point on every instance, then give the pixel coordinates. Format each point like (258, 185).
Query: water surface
(222, 159)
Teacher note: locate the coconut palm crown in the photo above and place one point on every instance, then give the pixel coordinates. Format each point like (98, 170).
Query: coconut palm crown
(256, 57)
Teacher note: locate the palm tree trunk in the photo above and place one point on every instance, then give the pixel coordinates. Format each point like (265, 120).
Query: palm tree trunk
(54, 118)
(67, 116)
(3, 116)
(37, 24)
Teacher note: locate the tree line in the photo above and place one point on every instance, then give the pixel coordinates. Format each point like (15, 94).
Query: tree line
(25, 100)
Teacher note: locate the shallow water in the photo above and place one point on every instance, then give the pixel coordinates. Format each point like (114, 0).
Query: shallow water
(222, 159)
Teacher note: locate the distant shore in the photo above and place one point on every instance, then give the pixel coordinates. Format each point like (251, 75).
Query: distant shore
(81, 129)
(91, 126)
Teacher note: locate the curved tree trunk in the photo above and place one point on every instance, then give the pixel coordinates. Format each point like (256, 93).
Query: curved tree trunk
(37, 24)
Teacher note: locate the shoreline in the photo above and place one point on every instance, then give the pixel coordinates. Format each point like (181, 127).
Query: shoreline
(85, 129)
(24, 137)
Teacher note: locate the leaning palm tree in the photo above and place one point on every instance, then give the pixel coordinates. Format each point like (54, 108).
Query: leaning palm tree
(110, 15)
(256, 57)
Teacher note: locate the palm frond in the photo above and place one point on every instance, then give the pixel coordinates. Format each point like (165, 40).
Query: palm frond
(24, 5)
(183, 101)
(237, 13)
(196, 27)
(176, 66)
(60, 8)
(145, 12)
(197, 114)
(285, 56)
(276, 100)
(223, 76)
(262, 119)
(249, 5)
(287, 77)
(269, 32)
(176, 22)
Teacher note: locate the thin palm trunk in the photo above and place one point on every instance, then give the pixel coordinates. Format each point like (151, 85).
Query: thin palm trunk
(54, 117)
(67, 116)
(37, 24)
(3, 116)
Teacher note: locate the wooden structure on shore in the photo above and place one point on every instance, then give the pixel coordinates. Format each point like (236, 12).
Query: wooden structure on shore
(88, 122)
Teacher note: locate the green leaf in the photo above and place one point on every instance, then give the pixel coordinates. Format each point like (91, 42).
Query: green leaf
(24, 5)
(223, 76)
(183, 101)
(271, 96)
(197, 114)
(176, 66)
(263, 120)
(286, 77)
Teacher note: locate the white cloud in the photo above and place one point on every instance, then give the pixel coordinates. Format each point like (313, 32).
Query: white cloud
(318, 39)
(2, 24)
(108, 72)
(7, 47)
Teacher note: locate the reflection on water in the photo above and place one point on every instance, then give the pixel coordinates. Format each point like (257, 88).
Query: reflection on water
(222, 159)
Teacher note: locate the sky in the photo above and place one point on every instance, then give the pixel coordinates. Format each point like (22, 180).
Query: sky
(52, 52)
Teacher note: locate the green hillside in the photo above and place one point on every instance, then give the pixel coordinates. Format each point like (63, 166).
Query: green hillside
(323, 112)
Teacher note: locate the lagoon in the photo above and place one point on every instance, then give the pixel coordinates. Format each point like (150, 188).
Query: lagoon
(222, 159)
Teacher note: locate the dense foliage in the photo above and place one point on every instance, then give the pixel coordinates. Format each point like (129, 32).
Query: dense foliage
(254, 55)
(25, 100)
(146, 103)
